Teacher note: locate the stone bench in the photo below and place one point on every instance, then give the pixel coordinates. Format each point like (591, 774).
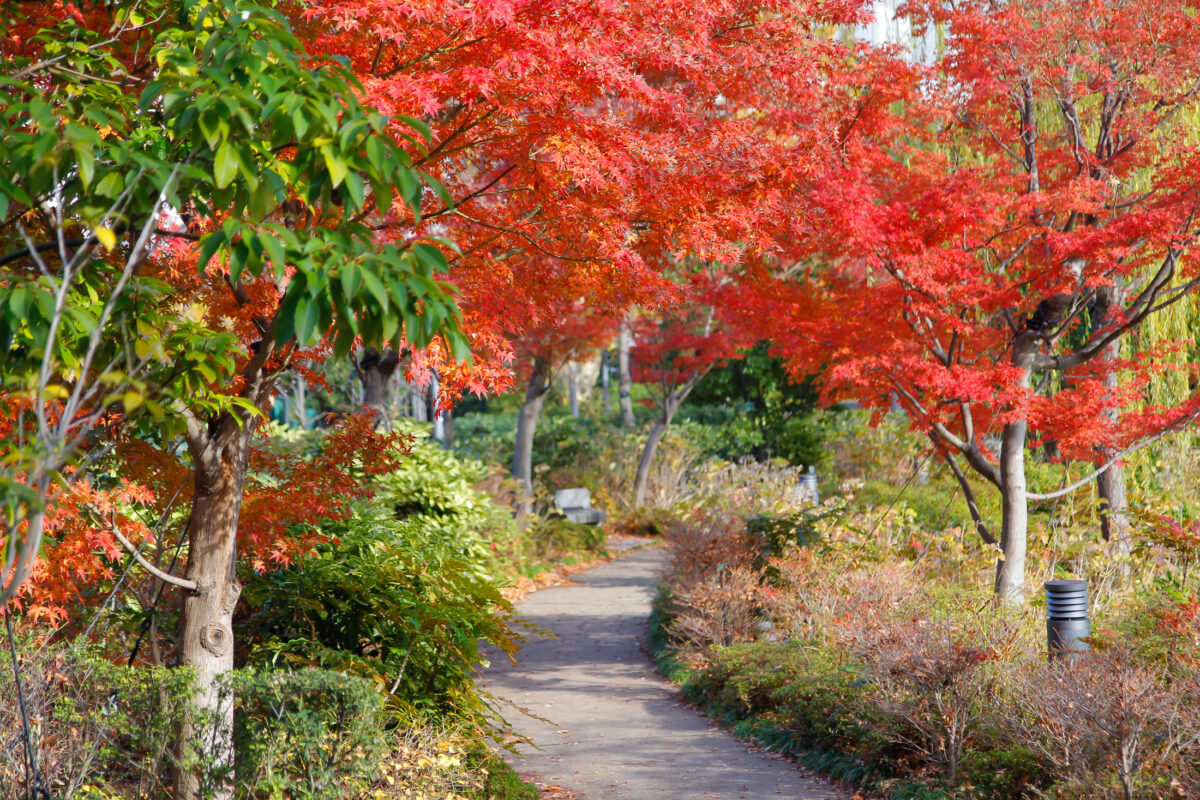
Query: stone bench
(576, 505)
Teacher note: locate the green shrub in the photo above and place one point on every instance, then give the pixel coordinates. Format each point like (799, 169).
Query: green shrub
(99, 728)
(1002, 773)
(389, 601)
(781, 533)
(436, 490)
(557, 536)
(809, 693)
(304, 735)
(501, 782)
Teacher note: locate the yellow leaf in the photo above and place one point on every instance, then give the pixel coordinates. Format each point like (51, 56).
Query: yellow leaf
(106, 237)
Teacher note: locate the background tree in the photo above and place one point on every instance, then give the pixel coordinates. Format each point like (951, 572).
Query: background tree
(597, 139)
(548, 349)
(766, 412)
(672, 355)
(1041, 163)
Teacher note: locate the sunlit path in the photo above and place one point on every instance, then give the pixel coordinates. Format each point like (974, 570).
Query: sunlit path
(613, 729)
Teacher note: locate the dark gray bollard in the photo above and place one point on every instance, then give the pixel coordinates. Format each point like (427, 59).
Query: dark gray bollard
(1067, 623)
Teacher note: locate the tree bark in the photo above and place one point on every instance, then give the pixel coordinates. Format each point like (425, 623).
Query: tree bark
(220, 450)
(531, 409)
(418, 404)
(672, 403)
(624, 376)
(1014, 526)
(604, 381)
(375, 369)
(573, 388)
(657, 431)
(206, 622)
(435, 412)
(1110, 484)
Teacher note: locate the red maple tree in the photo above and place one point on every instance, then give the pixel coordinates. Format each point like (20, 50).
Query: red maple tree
(998, 225)
(582, 145)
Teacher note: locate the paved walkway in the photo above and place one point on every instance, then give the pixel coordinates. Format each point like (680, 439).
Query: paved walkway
(612, 728)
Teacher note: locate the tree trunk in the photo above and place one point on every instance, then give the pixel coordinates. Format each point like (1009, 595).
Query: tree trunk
(1114, 505)
(1010, 567)
(624, 376)
(448, 443)
(672, 403)
(531, 409)
(435, 411)
(206, 622)
(300, 402)
(643, 471)
(573, 388)
(418, 404)
(1110, 484)
(605, 387)
(375, 369)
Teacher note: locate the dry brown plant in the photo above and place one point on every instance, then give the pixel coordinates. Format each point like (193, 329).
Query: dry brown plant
(1109, 713)
(723, 610)
(699, 547)
(935, 680)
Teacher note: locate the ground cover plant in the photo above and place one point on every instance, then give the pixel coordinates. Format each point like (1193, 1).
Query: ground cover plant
(868, 648)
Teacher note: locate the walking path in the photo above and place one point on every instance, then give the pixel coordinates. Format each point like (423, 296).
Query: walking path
(611, 727)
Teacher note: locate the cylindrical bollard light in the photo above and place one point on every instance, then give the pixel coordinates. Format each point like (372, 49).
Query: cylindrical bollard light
(809, 481)
(1067, 623)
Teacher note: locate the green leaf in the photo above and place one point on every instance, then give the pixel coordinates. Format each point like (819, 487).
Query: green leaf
(418, 126)
(335, 163)
(432, 256)
(225, 165)
(355, 189)
(351, 279)
(274, 250)
(375, 287)
(86, 162)
(209, 246)
(308, 312)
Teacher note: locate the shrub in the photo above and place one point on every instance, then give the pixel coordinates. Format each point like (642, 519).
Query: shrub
(305, 735)
(779, 534)
(388, 601)
(556, 536)
(98, 728)
(720, 611)
(804, 701)
(699, 547)
(425, 763)
(934, 681)
(1107, 717)
(436, 490)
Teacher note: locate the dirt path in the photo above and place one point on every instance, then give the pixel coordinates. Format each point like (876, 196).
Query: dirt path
(617, 730)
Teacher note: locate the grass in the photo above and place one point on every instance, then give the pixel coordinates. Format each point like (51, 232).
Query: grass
(503, 783)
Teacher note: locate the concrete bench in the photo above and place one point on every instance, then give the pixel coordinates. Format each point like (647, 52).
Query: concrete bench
(576, 505)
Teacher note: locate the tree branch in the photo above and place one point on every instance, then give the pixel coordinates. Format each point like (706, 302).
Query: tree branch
(1172, 428)
(166, 577)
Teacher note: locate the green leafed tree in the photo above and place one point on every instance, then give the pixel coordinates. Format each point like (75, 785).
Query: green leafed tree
(188, 200)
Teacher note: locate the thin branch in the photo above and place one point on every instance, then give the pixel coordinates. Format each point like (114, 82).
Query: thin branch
(1172, 428)
(166, 577)
(968, 494)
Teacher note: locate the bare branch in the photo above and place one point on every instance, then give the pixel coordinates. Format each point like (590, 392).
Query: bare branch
(166, 577)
